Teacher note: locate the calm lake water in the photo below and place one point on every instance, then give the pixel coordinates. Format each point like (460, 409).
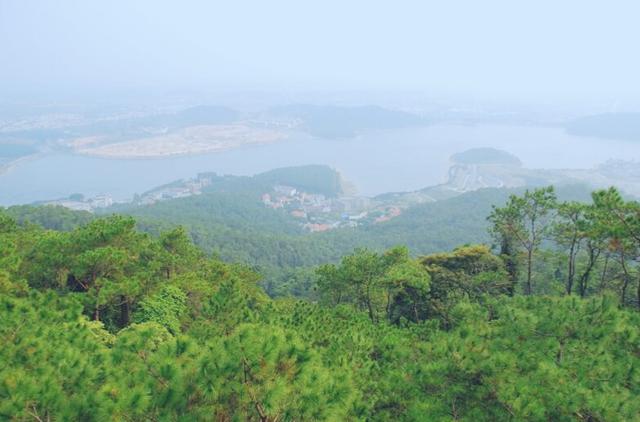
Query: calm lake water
(376, 162)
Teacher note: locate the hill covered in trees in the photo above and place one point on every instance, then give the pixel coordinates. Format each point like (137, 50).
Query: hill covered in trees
(104, 322)
(231, 222)
(486, 156)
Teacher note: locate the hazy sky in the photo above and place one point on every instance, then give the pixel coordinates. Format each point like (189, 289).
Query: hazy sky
(510, 49)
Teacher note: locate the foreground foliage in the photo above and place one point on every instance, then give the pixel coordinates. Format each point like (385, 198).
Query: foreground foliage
(106, 323)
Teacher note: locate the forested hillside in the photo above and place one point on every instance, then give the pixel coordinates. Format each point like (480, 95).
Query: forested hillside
(104, 322)
(238, 228)
(230, 221)
(311, 178)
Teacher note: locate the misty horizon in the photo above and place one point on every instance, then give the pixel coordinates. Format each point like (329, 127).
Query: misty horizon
(542, 52)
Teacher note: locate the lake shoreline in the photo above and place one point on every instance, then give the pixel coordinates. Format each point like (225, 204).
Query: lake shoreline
(11, 165)
(377, 162)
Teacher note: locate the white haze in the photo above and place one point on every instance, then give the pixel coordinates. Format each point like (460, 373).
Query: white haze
(545, 50)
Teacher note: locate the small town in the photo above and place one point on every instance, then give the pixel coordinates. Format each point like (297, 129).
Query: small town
(317, 213)
(181, 189)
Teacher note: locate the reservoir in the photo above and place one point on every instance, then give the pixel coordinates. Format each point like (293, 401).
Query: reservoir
(376, 161)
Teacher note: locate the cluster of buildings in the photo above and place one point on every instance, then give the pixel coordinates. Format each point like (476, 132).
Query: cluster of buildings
(319, 213)
(300, 202)
(297, 202)
(388, 214)
(175, 190)
(180, 189)
(80, 203)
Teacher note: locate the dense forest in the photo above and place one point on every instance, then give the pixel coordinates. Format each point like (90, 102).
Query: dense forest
(103, 321)
(230, 221)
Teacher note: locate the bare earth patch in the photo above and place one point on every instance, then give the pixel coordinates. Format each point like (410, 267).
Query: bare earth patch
(190, 140)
